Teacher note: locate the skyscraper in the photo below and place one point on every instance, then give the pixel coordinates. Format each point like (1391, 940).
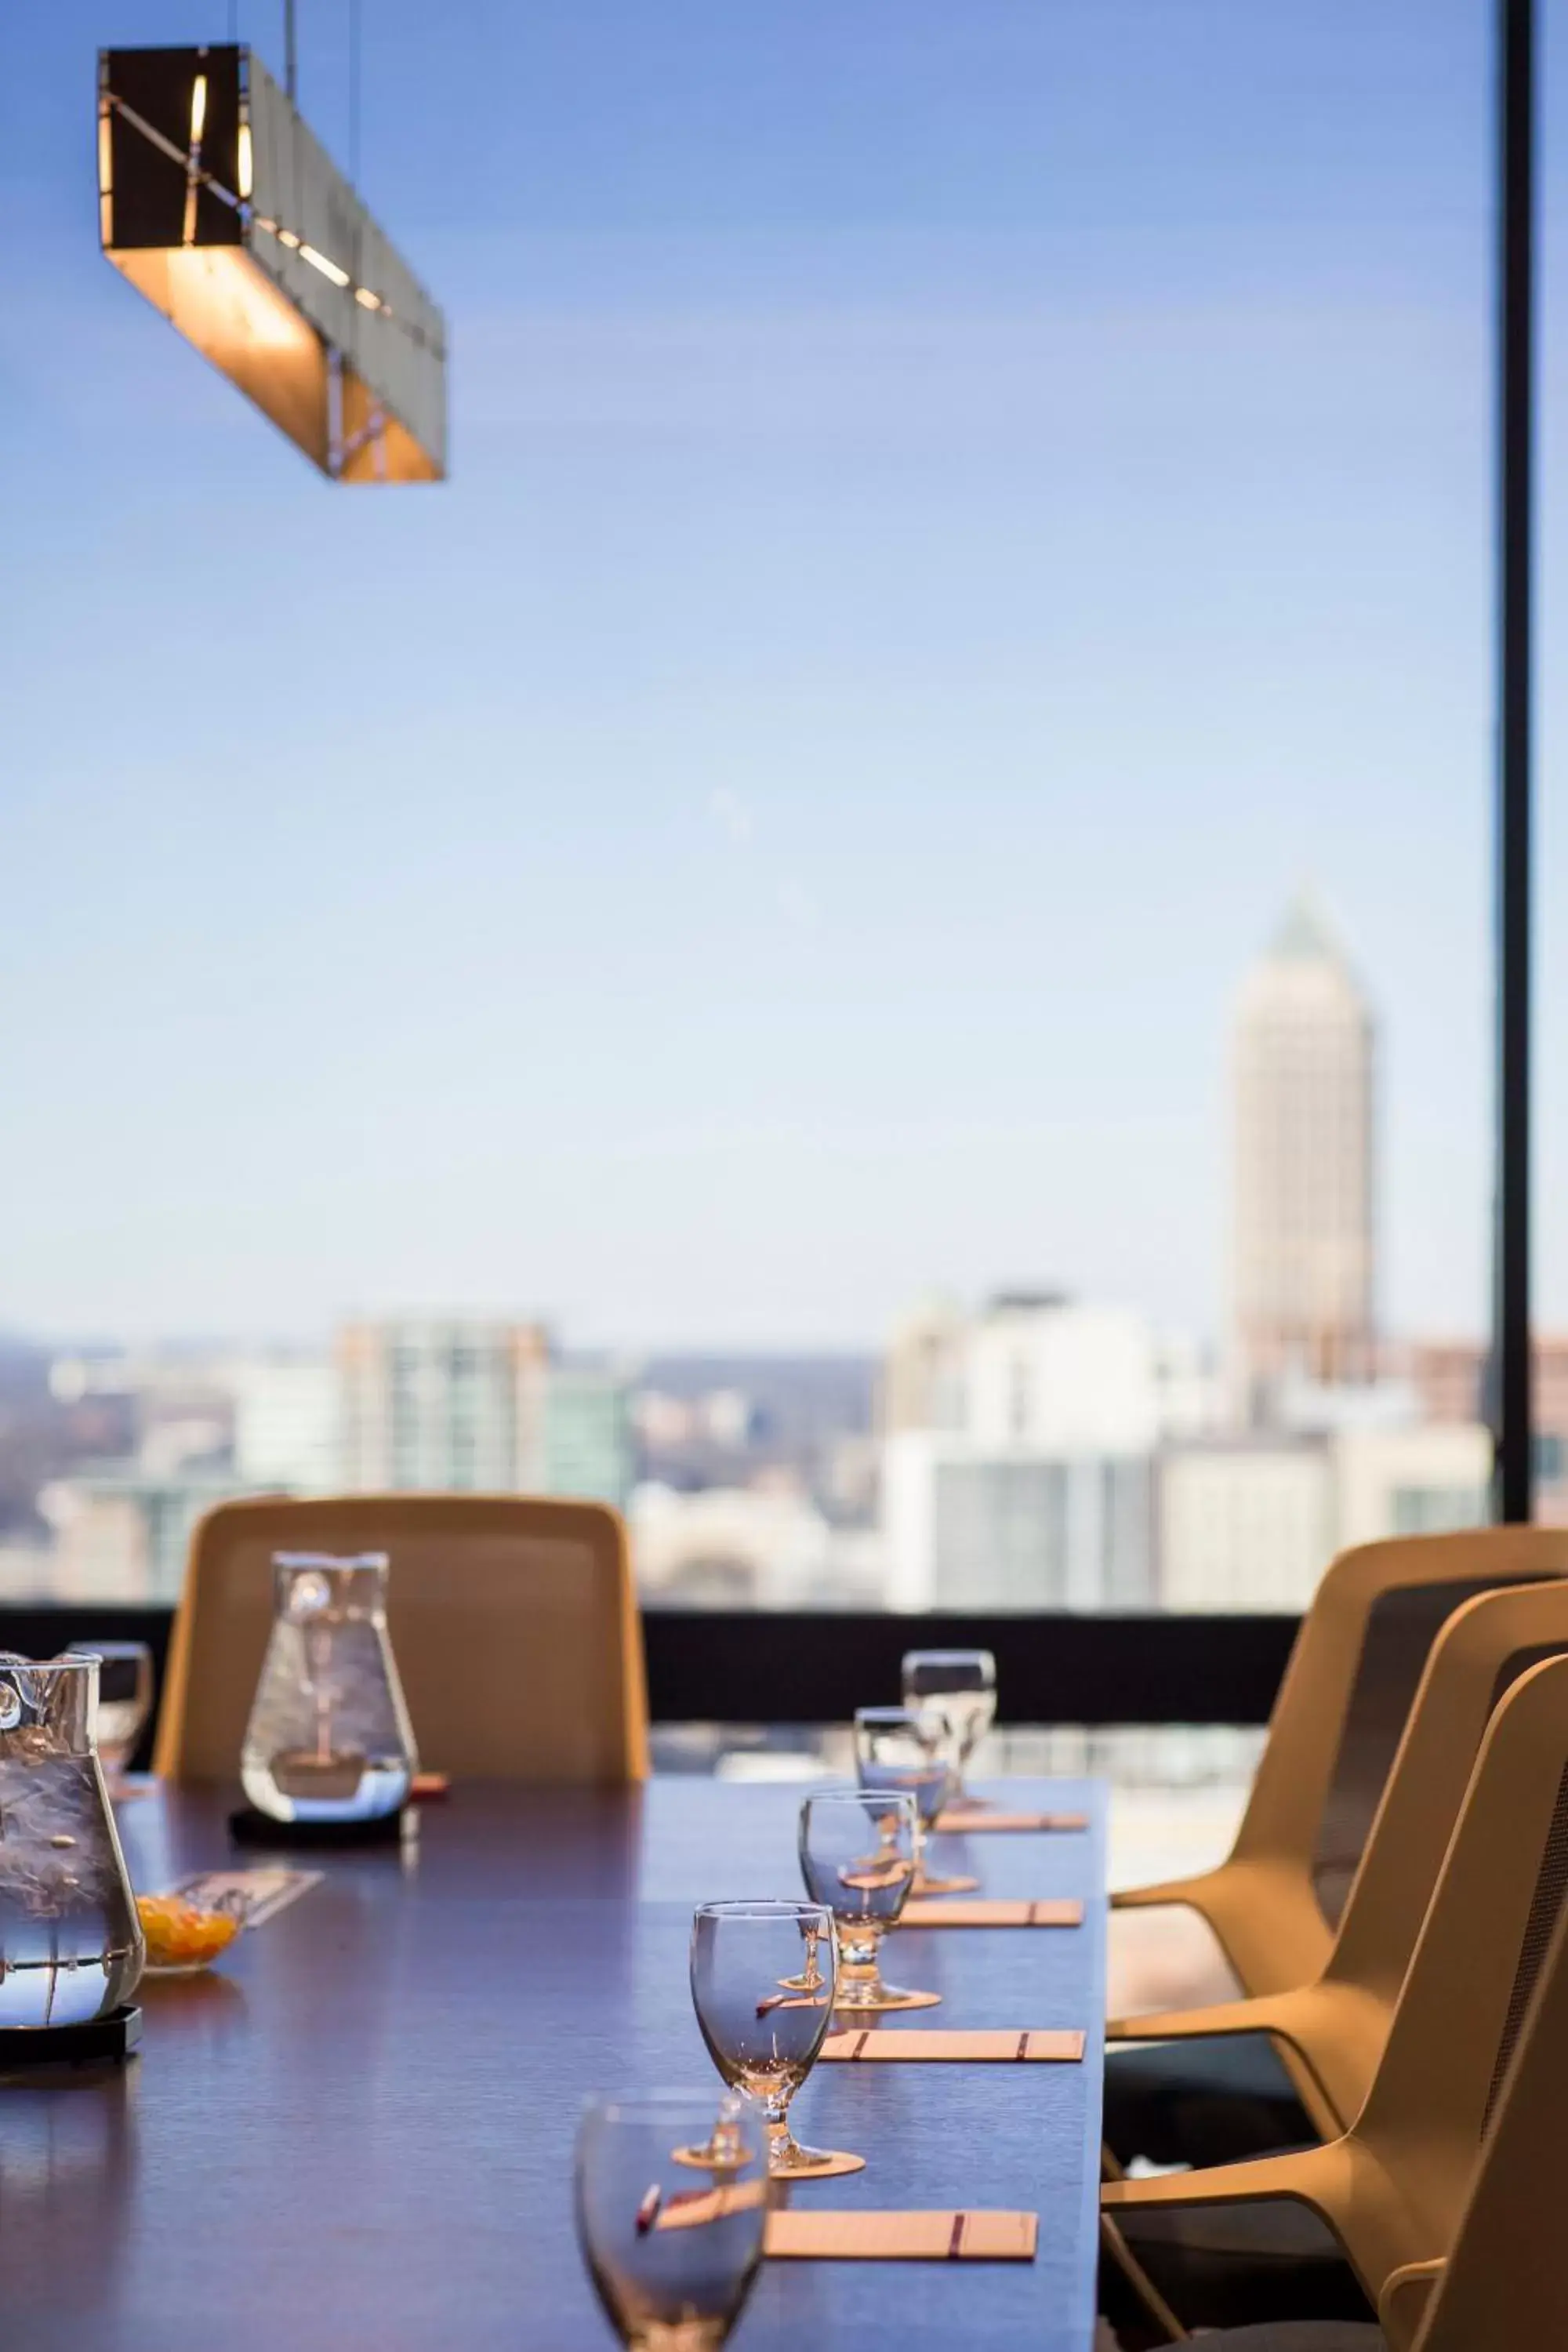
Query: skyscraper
(1303, 1207)
(443, 1406)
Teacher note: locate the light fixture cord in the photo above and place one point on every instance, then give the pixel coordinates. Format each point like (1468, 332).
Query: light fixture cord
(354, 91)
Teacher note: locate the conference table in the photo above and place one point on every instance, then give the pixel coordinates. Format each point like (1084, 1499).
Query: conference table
(358, 2131)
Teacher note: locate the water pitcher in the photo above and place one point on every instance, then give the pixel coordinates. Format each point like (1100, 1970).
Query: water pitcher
(328, 1737)
(70, 1943)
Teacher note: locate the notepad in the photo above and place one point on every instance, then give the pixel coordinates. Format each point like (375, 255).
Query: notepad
(257, 1894)
(799, 2234)
(693, 2209)
(1039, 2045)
(1003, 1912)
(966, 1824)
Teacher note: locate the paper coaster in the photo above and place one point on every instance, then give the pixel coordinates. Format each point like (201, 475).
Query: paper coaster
(701, 2159)
(1004, 1913)
(921, 1885)
(864, 2237)
(825, 2164)
(890, 1997)
(1042, 2046)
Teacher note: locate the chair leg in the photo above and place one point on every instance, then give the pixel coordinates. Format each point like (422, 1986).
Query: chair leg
(1128, 2297)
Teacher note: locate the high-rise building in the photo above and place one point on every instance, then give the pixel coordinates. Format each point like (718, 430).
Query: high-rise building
(588, 1447)
(443, 1406)
(1302, 1212)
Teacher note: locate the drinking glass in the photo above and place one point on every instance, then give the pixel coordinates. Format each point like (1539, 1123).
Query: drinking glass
(124, 1700)
(672, 2255)
(962, 1685)
(907, 1748)
(859, 1850)
(762, 1981)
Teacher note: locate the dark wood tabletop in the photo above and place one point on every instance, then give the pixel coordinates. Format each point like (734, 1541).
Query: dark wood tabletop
(359, 2133)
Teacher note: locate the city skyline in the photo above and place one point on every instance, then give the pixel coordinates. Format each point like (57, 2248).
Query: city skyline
(787, 823)
(1302, 1297)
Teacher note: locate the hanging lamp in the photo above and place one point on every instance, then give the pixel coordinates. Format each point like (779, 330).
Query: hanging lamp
(219, 205)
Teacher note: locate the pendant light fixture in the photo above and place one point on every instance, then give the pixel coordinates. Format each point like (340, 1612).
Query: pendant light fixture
(219, 205)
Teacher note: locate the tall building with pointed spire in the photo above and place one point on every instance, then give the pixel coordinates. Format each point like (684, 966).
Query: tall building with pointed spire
(1302, 1234)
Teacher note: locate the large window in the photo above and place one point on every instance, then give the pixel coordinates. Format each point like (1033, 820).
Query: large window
(869, 936)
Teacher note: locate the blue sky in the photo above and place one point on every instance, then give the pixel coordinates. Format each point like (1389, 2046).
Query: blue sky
(955, 511)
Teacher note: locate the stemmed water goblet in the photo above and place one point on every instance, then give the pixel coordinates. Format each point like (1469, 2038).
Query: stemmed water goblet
(672, 2256)
(912, 1750)
(859, 1851)
(962, 1684)
(763, 1975)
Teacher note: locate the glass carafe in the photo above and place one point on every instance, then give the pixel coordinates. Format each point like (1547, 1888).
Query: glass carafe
(70, 1942)
(328, 1737)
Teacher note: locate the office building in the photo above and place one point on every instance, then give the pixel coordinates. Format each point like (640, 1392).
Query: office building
(288, 1431)
(1450, 1377)
(1244, 1523)
(974, 1527)
(443, 1406)
(1303, 1073)
(588, 1438)
(922, 1379)
(1422, 1480)
(122, 1534)
(1031, 1484)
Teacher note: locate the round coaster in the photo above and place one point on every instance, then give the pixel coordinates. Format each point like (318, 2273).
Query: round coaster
(822, 2164)
(706, 2159)
(923, 1886)
(890, 1997)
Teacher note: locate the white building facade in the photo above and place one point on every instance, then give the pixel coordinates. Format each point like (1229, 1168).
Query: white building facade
(1244, 1525)
(1035, 1490)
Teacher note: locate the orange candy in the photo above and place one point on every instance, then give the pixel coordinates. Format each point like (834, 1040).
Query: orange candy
(178, 1935)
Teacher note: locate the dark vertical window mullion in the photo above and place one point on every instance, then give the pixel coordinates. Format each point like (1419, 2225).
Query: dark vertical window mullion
(1514, 1466)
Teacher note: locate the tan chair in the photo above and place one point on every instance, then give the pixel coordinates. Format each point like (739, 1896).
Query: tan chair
(1393, 2187)
(1332, 2032)
(1504, 2288)
(514, 1623)
(1274, 1905)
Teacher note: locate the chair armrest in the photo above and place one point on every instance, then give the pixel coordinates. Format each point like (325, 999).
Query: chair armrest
(1181, 2024)
(1167, 1890)
(1401, 2305)
(1322, 2178)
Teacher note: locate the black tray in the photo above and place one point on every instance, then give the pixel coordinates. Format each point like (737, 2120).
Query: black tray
(247, 1827)
(112, 2040)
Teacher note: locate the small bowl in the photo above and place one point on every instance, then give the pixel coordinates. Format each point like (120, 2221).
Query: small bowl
(182, 1939)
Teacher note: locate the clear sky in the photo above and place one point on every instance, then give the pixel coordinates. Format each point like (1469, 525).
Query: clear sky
(958, 505)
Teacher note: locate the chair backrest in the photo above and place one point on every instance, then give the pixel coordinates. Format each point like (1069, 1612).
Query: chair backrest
(513, 1621)
(1480, 1653)
(1478, 1960)
(1505, 2288)
(1347, 1692)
